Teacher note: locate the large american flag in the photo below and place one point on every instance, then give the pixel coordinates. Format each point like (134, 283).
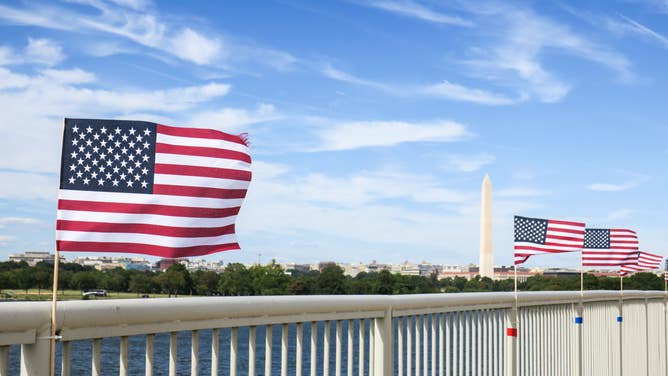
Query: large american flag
(609, 247)
(644, 261)
(535, 236)
(139, 187)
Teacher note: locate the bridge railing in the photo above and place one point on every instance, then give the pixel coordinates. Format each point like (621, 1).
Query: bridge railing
(431, 334)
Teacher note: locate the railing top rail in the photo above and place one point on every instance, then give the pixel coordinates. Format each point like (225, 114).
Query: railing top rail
(18, 316)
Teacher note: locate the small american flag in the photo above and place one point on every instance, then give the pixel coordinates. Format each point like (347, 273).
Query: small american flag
(535, 236)
(644, 261)
(139, 187)
(609, 247)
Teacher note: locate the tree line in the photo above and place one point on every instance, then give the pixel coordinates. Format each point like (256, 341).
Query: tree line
(272, 279)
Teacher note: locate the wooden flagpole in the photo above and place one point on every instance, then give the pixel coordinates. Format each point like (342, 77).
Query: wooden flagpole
(56, 261)
(54, 299)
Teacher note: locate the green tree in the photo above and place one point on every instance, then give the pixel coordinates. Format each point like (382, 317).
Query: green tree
(141, 283)
(235, 281)
(331, 281)
(205, 282)
(86, 280)
(269, 279)
(175, 280)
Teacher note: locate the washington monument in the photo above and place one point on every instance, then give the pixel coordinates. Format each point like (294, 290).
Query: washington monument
(486, 232)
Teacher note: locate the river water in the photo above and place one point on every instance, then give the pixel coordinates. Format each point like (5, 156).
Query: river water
(81, 358)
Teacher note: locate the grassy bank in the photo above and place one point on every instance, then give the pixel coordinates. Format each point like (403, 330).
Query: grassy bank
(34, 294)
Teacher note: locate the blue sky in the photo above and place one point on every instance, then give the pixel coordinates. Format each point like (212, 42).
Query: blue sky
(372, 123)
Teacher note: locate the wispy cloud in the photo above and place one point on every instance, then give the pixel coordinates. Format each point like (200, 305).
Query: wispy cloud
(133, 21)
(618, 187)
(628, 25)
(461, 93)
(516, 57)
(361, 134)
(233, 119)
(18, 221)
(469, 163)
(418, 11)
(445, 90)
(37, 51)
(51, 94)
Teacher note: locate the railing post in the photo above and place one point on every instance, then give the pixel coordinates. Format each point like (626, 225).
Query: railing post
(36, 357)
(511, 342)
(383, 345)
(579, 322)
(620, 320)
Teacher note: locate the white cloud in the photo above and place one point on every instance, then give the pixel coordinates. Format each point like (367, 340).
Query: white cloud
(43, 51)
(516, 57)
(133, 21)
(388, 207)
(618, 187)
(192, 46)
(233, 119)
(414, 10)
(6, 239)
(445, 89)
(31, 137)
(470, 163)
(628, 25)
(457, 92)
(37, 51)
(28, 186)
(19, 220)
(353, 135)
(69, 76)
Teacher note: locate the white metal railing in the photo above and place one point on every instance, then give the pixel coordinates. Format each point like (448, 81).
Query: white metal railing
(404, 335)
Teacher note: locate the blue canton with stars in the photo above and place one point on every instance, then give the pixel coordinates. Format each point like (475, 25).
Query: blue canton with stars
(532, 230)
(108, 156)
(597, 238)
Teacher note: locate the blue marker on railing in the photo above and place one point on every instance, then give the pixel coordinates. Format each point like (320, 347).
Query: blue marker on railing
(578, 320)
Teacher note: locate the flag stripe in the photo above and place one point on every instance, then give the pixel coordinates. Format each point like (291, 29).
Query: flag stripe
(145, 209)
(209, 172)
(202, 152)
(142, 228)
(179, 190)
(166, 220)
(150, 249)
(202, 142)
(190, 160)
(199, 133)
(128, 237)
(154, 199)
(198, 181)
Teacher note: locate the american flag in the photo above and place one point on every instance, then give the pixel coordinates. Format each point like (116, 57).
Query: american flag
(644, 261)
(609, 247)
(535, 236)
(139, 187)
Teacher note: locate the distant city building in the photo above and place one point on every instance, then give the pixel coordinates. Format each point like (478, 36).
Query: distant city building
(33, 257)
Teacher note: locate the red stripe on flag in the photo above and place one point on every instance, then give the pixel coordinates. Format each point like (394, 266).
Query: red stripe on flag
(557, 237)
(141, 228)
(174, 211)
(207, 172)
(566, 230)
(567, 223)
(202, 151)
(199, 133)
(182, 190)
(155, 250)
